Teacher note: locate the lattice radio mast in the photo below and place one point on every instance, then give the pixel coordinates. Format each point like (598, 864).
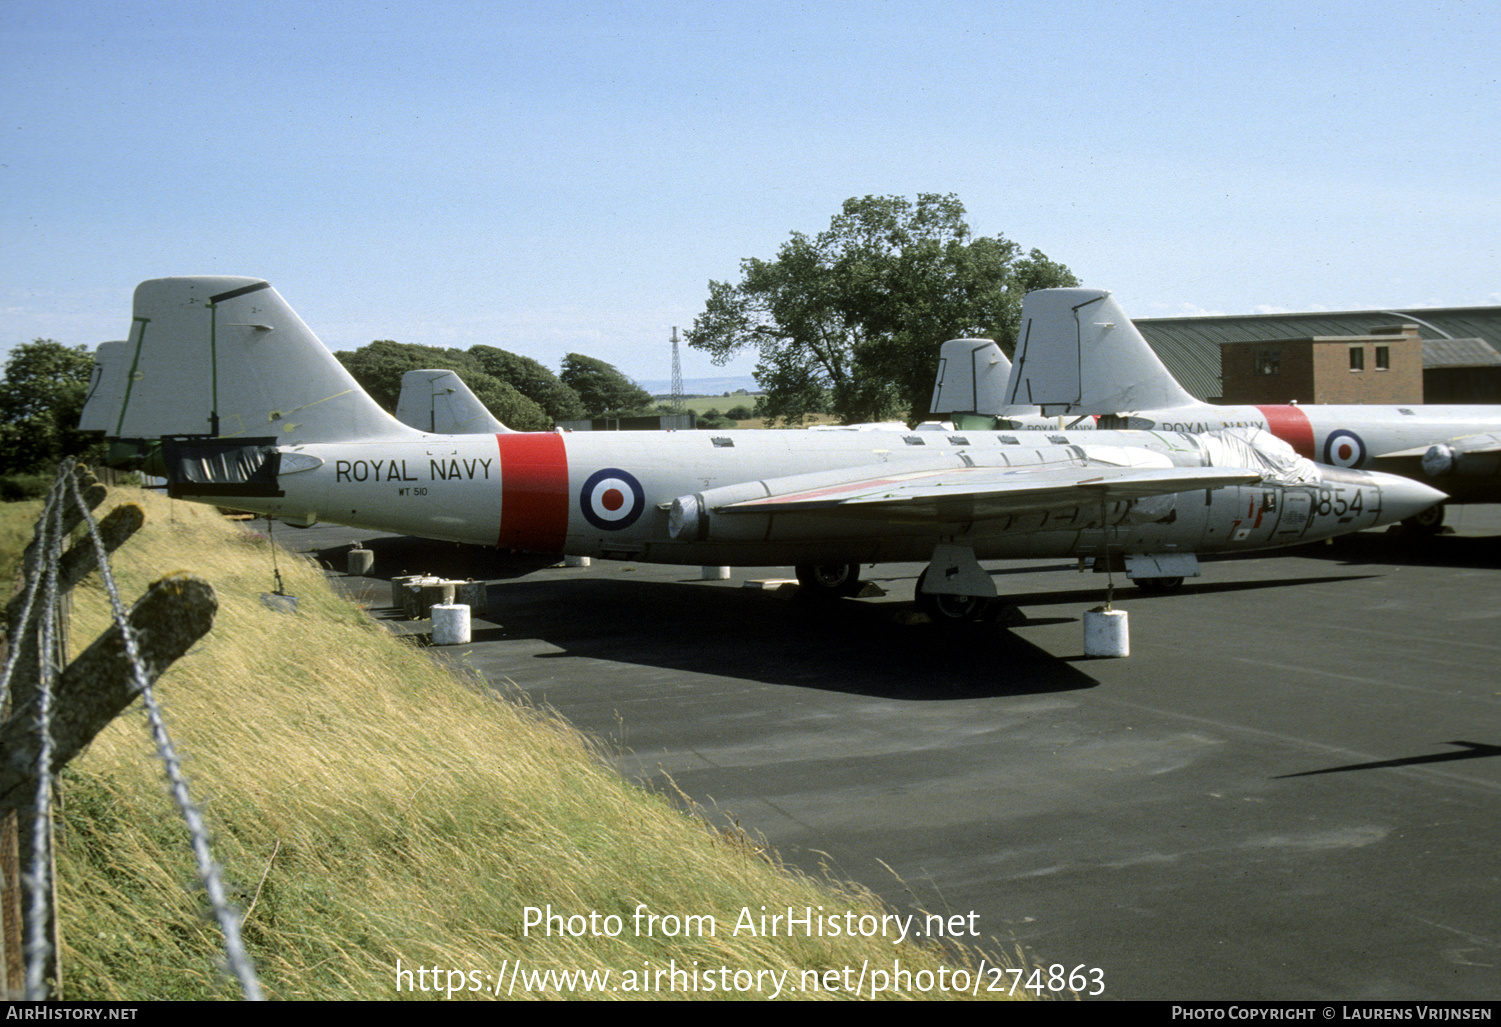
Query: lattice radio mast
(677, 375)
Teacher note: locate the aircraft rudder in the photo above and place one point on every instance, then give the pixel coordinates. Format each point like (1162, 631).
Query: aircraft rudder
(225, 355)
(971, 377)
(1080, 353)
(1121, 370)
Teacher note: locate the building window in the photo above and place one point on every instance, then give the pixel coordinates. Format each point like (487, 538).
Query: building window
(1383, 358)
(1357, 358)
(1268, 360)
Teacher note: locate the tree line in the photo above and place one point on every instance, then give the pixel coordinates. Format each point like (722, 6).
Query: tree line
(46, 384)
(521, 392)
(41, 398)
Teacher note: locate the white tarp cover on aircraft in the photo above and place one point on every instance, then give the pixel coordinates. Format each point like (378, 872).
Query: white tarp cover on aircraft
(1260, 450)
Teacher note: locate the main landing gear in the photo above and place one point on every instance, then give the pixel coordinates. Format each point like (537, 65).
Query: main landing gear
(963, 589)
(1158, 584)
(830, 580)
(948, 609)
(969, 589)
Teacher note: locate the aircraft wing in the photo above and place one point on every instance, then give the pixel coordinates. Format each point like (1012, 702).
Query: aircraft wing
(1470, 455)
(980, 493)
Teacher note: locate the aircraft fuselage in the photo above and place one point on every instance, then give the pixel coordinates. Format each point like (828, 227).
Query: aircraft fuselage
(1354, 436)
(609, 494)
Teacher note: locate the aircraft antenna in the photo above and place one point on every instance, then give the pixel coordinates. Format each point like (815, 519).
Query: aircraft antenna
(677, 375)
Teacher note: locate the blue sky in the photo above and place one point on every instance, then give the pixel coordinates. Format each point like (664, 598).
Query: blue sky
(564, 177)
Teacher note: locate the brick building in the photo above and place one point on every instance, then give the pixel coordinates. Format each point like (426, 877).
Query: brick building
(1384, 367)
(1459, 354)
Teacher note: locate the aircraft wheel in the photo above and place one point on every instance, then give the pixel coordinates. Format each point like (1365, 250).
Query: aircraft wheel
(1159, 584)
(834, 580)
(1429, 522)
(948, 609)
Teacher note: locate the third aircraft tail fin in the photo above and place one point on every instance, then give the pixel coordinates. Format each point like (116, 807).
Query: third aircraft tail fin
(972, 376)
(439, 401)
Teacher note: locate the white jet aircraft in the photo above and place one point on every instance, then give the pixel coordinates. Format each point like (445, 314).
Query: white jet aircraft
(1079, 354)
(254, 412)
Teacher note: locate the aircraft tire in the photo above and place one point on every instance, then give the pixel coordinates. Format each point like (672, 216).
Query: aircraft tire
(1159, 584)
(948, 609)
(1429, 522)
(831, 580)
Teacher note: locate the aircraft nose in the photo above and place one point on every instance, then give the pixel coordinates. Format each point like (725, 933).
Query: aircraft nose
(1402, 498)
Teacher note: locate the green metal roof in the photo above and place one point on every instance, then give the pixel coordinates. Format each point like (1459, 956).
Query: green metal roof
(1190, 346)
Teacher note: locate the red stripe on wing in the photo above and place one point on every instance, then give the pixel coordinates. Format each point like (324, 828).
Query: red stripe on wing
(865, 485)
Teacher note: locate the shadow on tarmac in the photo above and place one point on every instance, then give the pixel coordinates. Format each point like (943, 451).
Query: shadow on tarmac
(1392, 549)
(1194, 586)
(405, 554)
(851, 645)
(1468, 751)
(1401, 550)
(841, 645)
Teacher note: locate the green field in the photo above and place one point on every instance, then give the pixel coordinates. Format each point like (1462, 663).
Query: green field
(701, 405)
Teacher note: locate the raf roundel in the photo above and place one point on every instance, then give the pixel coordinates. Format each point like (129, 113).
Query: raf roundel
(1343, 448)
(611, 499)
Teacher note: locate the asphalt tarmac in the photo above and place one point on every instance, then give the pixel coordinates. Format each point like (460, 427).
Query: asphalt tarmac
(1291, 789)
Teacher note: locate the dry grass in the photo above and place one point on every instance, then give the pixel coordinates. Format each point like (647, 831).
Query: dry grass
(371, 810)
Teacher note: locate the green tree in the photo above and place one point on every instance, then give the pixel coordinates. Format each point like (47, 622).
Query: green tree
(605, 392)
(851, 319)
(533, 380)
(506, 402)
(378, 368)
(41, 398)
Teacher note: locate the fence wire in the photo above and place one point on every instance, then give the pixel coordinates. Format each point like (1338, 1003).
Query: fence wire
(37, 881)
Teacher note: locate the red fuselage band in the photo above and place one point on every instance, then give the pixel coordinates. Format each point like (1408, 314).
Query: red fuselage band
(533, 492)
(1290, 424)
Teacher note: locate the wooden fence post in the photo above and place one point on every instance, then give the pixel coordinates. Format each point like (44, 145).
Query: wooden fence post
(93, 689)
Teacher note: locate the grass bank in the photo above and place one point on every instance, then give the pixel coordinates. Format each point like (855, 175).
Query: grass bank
(386, 828)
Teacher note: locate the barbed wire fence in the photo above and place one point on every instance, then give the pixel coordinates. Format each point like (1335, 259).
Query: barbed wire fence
(51, 708)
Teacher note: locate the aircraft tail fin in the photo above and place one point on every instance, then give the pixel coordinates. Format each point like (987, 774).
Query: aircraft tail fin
(106, 386)
(227, 357)
(1078, 353)
(972, 375)
(438, 401)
